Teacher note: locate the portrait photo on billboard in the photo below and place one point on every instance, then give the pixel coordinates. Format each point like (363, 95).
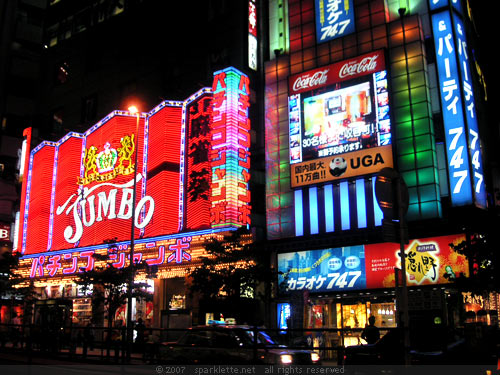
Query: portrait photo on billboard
(340, 115)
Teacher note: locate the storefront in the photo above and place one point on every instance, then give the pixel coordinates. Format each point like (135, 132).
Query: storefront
(340, 288)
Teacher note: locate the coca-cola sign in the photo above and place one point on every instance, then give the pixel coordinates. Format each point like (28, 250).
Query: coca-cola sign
(344, 70)
(368, 64)
(308, 81)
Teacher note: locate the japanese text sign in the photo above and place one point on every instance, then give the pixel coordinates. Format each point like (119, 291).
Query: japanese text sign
(453, 116)
(334, 19)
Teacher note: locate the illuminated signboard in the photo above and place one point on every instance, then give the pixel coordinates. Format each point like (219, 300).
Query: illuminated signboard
(339, 121)
(457, 150)
(192, 177)
(230, 149)
(174, 250)
(4, 232)
(324, 270)
(430, 261)
(437, 4)
(470, 114)
(252, 35)
(334, 19)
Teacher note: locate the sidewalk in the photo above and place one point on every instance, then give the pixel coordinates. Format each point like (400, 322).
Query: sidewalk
(64, 357)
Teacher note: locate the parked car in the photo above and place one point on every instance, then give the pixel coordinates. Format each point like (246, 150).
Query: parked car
(232, 344)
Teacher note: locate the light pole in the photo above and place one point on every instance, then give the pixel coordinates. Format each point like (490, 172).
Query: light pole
(130, 329)
(403, 7)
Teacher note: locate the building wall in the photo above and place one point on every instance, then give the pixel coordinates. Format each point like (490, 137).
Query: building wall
(378, 26)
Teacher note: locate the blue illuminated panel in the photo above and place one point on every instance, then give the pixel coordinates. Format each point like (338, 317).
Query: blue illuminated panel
(344, 206)
(378, 214)
(299, 218)
(313, 210)
(436, 4)
(333, 269)
(470, 114)
(361, 203)
(329, 214)
(334, 19)
(453, 116)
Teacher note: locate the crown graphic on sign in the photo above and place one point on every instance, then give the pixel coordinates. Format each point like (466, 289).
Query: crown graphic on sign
(106, 159)
(109, 163)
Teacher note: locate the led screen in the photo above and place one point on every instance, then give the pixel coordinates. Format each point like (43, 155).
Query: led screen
(349, 118)
(340, 129)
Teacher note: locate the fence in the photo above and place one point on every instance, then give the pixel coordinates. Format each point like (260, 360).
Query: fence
(151, 344)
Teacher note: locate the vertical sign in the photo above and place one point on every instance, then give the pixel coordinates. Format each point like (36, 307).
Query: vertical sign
(470, 114)
(436, 4)
(453, 116)
(230, 155)
(252, 35)
(334, 19)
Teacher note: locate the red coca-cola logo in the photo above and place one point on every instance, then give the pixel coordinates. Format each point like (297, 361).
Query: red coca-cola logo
(308, 81)
(343, 70)
(352, 68)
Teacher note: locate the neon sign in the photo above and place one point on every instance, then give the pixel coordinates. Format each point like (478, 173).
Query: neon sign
(230, 155)
(78, 191)
(451, 102)
(334, 19)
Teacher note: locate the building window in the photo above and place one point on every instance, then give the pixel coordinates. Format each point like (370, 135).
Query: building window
(89, 108)
(62, 73)
(56, 121)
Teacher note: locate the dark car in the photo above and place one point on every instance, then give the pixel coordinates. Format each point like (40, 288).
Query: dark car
(232, 344)
(389, 350)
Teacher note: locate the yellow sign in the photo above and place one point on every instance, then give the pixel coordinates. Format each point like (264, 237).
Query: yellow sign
(351, 164)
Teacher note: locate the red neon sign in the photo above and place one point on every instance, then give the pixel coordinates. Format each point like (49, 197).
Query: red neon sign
(78, 191)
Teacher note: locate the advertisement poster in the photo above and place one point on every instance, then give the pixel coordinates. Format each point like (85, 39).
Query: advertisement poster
(324, 270)
(430, 261)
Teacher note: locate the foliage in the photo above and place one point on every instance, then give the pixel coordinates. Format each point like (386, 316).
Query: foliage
(109, 285)
(483, 256)
(8, 278)
(234, 269)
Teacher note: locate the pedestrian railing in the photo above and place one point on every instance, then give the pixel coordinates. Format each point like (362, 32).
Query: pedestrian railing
(111, 345)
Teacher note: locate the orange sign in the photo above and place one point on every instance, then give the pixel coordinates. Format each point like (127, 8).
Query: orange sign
(351, 164)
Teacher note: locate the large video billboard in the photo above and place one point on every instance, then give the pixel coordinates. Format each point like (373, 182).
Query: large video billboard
(339, 121)
(191, 179)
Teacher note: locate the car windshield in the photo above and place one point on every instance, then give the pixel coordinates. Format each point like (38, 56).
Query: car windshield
(262, 338)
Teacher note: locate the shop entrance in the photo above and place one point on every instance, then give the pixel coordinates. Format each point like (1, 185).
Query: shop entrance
(349, 315)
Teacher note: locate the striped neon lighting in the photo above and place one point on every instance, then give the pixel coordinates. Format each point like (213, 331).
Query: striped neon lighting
(344, 206)
(361, 202)
(376, 208)
(313, 210)
(329, 214)
(299, 219)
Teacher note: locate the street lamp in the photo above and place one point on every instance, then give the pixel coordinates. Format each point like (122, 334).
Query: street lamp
(403, 7)
(132, 109)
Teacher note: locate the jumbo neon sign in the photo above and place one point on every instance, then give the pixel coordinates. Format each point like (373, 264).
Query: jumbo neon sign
(192, 175)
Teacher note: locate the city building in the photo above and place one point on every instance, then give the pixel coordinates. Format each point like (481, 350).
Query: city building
(352, 87)
(196, 129)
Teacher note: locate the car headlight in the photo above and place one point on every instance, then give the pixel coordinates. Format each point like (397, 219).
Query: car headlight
(314, 357)
(286, 359)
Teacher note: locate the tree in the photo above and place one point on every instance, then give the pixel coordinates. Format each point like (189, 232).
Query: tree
(109, 285)
(13, 285)
(236, 271)
(481, 251)
(8, 278)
